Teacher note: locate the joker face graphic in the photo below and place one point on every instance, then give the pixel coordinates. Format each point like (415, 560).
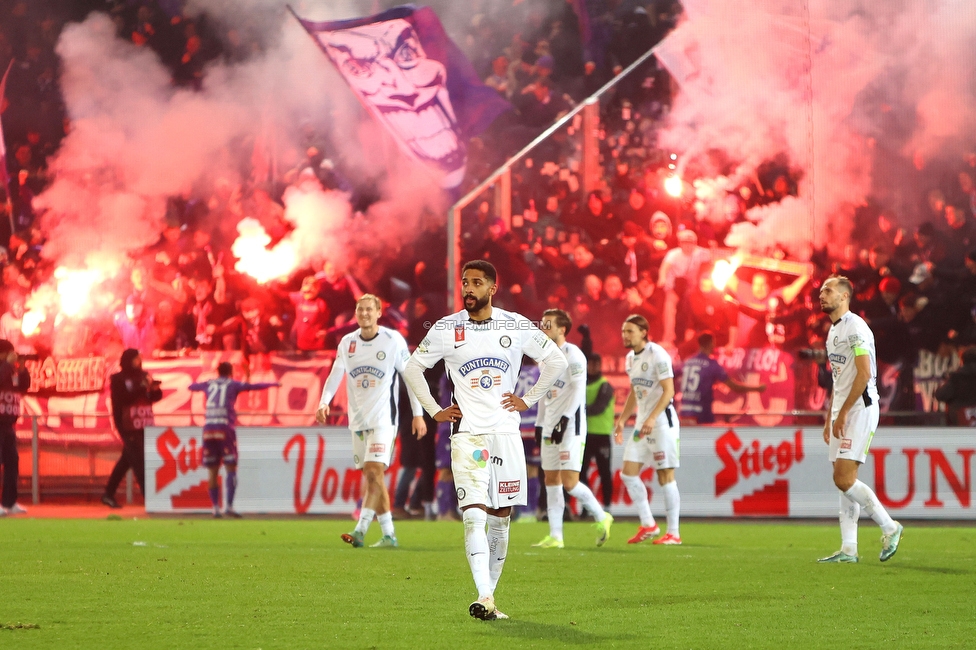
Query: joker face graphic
(386, 65)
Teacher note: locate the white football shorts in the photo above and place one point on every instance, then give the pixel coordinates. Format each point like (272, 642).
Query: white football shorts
(862, 422)
(489, 469)
(568, 454)
(373, 446)
(659, 449)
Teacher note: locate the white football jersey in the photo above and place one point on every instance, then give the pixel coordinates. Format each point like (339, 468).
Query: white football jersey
(567, 397)
(483, 361)
(646, 370)
(370, 369)
(850, 337)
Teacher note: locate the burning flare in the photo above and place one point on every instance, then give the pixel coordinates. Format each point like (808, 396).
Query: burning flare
(30, 324)
(723, 271)
(256, 260)
(673, 185)
(75, 288)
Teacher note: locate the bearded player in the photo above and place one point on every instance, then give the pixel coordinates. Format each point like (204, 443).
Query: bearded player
(853, 419)
(482, 348)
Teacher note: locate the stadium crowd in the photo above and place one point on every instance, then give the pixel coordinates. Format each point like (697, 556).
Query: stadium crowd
(627, 247)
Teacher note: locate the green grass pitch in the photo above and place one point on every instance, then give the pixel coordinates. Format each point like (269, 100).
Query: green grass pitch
(200, 583)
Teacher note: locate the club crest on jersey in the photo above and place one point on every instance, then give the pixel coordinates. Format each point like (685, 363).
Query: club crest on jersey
(486, 380)
(352, 347)
(381, 355)
(644, 367)
(505, 342)
(459, 333)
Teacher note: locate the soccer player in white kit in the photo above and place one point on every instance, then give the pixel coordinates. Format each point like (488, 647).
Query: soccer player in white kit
(656, 430)
(369, 359)
(482, 348)
(852, 419)
(562, 418)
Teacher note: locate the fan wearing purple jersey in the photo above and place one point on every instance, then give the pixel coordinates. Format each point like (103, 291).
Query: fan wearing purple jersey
(219, 435)
(699, 374)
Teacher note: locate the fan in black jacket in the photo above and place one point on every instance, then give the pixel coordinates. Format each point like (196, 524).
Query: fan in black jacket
(14, 382)
(959, 392)
(133, 392)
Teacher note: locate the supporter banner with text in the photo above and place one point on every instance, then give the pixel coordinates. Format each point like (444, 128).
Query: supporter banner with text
(71, 410)
(70, 396)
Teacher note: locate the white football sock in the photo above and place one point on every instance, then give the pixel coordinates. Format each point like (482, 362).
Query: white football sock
(588, 501)
(865, 497)
(365, 519)
(850, 511)
(672, 501)
(638, 494)
(554, 507)
(386, 523)
(497, 547)
(476, 548)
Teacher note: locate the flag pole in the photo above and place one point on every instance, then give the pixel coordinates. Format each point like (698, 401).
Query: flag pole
(3, 148)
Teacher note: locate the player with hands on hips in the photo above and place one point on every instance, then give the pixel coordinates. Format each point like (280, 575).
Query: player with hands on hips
(482, 348)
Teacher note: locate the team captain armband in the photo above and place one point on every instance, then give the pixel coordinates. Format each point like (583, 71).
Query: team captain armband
(860, 352)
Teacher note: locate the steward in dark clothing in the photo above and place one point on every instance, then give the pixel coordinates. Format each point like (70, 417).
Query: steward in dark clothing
(133, 392)
(600, 411)
(14, 382)
(958, 392)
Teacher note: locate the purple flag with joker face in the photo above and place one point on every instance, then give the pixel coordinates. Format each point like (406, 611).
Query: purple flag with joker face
(415, 81)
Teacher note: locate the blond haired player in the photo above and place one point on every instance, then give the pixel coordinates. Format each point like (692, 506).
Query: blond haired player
(656, 430)
(853, 419)
(482, 348)
(369, 360)
(562, 419)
